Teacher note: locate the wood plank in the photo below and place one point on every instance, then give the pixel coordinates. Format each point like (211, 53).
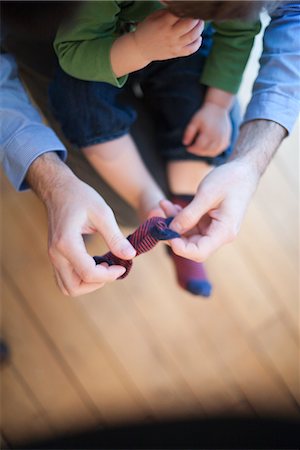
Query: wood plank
(264, 391)
(271, 262)
(21, 415)
(276, 343)
(243, 294)
(280, 213)
(41, 367)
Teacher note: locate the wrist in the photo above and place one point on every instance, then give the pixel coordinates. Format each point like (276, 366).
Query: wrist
(143, 56)
(46, 174)
(257, 143)
(219, 98)
(126, 56)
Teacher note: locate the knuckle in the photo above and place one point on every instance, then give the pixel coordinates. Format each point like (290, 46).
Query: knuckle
(231, 234)
(195, 258)
(52, 253)
(71, 292)
(189, 51)
(107, 213)
(85, 275)
(65, 292)
(195, 35)
(188, 218)
(59, 244)
(176, 52)
(115, 240)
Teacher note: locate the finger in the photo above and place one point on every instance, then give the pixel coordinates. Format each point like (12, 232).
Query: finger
(200, 144)
(199, 248)
(59, 282)
(191, 132)
(193, 47)
(193, 34)
(74, 264)
(79, 288)
(186, 219)
(185, 248)
(72, 284)
(169, 208)
(157, 212)
(107, 226)
(184, 26)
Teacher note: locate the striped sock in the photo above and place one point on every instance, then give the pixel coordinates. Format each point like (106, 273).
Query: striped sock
(191, 275)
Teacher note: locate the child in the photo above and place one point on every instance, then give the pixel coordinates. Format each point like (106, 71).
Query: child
(189, 91)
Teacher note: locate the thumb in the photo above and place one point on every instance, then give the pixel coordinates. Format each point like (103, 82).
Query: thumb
(114, 238)
(189, 216)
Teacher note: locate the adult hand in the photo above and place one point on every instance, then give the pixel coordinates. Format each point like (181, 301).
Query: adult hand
(214, 216)
(164, 36)
(74, 209)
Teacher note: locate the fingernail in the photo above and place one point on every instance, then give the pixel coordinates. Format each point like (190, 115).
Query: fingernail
(128, 251)
(176, 227)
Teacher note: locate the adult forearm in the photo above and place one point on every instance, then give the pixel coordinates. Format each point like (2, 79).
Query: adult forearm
(257, 143)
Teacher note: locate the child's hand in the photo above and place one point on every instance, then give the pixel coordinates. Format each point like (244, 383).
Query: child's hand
(164, 36)
(208, 132)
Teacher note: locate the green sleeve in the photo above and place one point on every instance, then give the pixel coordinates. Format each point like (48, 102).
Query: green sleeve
(232, 43)
(83, 46)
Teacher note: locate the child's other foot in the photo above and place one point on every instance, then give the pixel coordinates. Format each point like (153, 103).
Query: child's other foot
(191, 275)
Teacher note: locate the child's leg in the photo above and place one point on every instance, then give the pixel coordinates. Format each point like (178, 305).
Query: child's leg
(89, 113)
(120, 165)
(174, 93)
(184, 178)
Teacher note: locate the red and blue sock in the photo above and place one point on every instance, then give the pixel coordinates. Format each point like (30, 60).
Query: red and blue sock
(191, 275)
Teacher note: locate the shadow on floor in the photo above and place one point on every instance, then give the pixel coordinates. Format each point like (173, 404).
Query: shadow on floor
(226, 433)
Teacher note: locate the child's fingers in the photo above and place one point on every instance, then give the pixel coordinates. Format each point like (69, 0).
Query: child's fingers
(201, 144)
(190, 133)
(183, 26)
(157, 212)
(193, 47)
(169, 208)
(193, 34)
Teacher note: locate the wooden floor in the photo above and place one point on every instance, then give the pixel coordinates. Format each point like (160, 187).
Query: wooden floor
(142, 348)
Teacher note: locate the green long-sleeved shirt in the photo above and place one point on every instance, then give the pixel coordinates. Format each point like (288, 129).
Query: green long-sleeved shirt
(83, 47)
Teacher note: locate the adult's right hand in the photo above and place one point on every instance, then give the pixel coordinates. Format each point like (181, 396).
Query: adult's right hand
(74, 209)
(214, 216)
